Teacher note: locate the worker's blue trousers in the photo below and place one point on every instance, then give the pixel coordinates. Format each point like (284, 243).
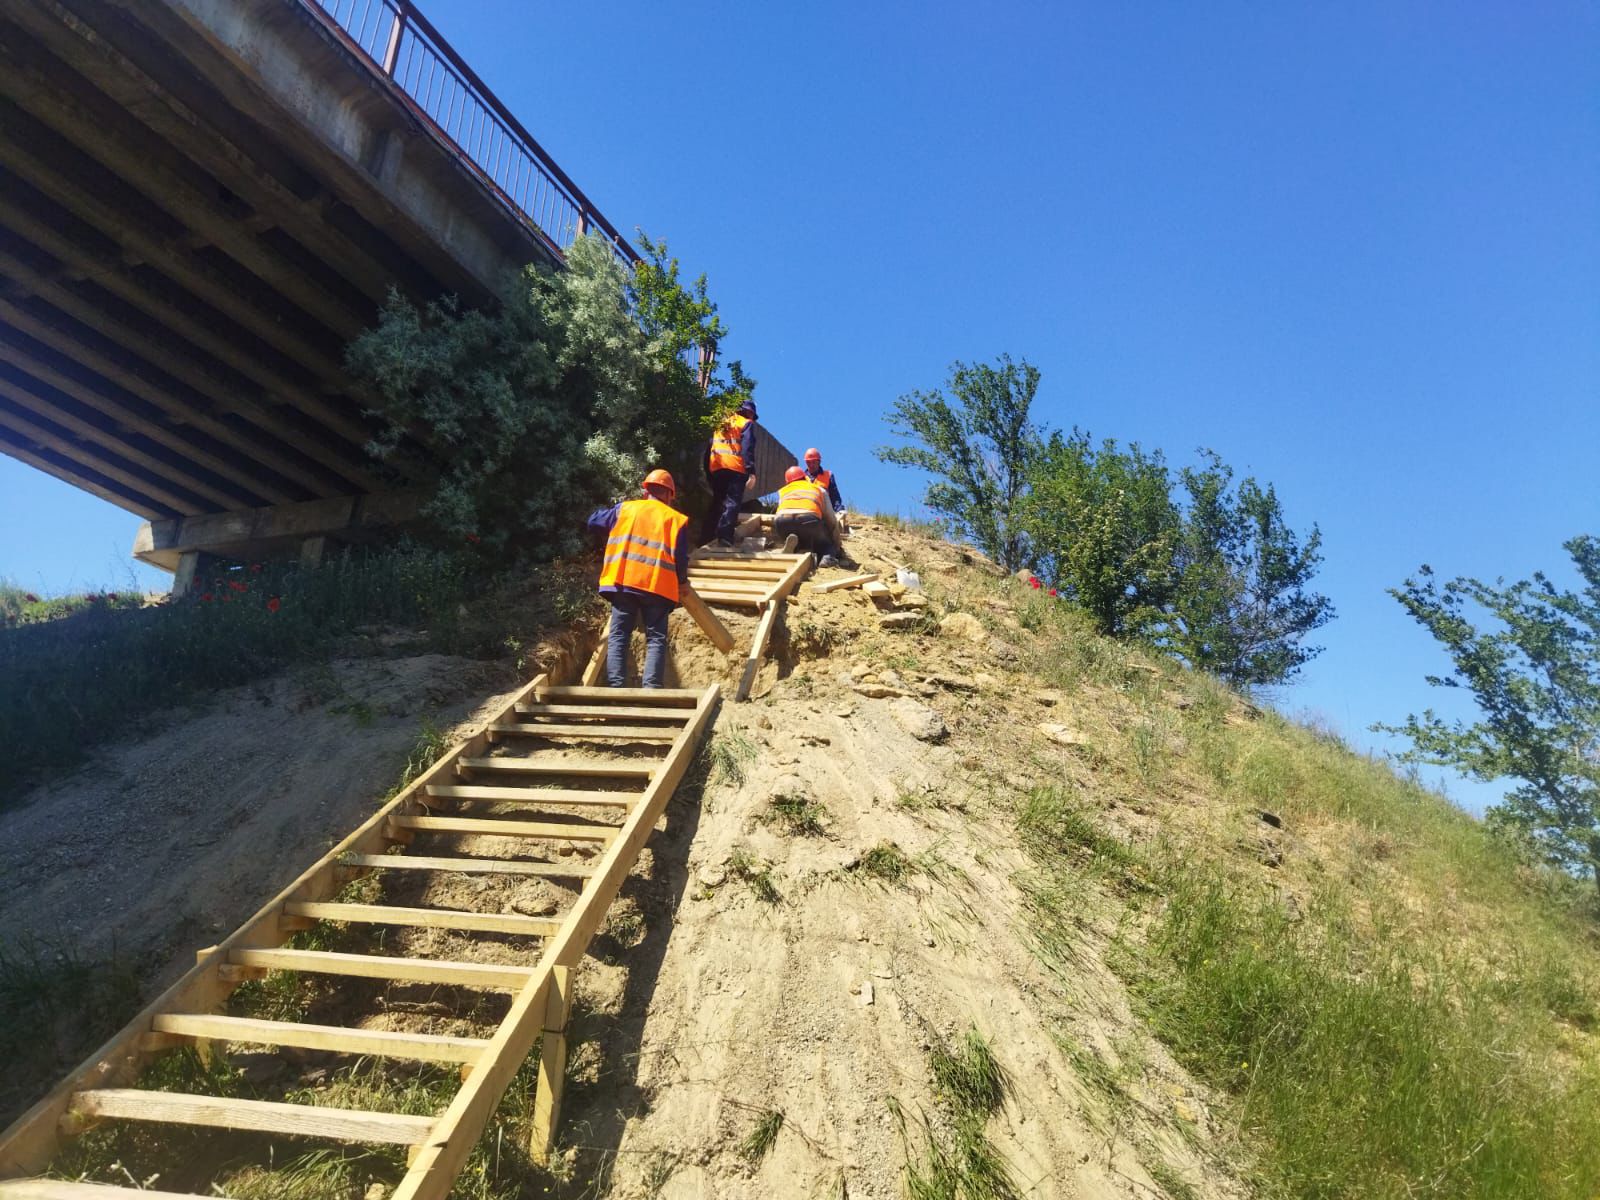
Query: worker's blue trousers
(628, 609)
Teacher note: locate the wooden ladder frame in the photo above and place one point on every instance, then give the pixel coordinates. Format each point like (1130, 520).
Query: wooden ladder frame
(542, 993)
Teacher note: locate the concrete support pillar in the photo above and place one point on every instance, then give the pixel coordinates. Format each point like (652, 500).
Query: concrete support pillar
(312, 550)
(191, 566)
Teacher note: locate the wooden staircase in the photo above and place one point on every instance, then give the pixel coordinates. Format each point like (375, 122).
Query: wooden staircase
(580, 818)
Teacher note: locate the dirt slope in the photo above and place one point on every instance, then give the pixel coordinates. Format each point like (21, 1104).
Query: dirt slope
(823, 999)
(242, 795)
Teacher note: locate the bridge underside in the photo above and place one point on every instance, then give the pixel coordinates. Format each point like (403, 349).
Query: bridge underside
(201, 202)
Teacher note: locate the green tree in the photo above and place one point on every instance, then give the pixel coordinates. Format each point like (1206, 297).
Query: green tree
(977, 444)
(1241, 603)
(1102, 527)
(556, 400)
(1529, 655)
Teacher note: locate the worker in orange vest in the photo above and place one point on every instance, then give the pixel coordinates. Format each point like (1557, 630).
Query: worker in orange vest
(805, 518)
(645, 569)
(816, 474)
(730, 468)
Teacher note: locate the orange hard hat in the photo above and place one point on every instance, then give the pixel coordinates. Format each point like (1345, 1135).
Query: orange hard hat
(794, 473)
(660, 478)
(813, 455)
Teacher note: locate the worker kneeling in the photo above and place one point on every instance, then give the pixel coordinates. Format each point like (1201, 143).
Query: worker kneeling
(646, 565)
(805, 517)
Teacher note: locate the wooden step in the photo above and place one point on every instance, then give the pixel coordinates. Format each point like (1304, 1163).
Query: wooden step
(424, 918)
(494, 827)
(731, 599)
(591, 769)
(63, 1189)
(467, 866)
(423, 1047)
(372, 966)
(607, 732)
(756, 587)
(631, 712)
(176, 1108)
(670, 697)
(526, 795)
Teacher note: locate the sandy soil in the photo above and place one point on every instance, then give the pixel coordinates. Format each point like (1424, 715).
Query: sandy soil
(245, 794)
(702, 1006)
(823, 1005)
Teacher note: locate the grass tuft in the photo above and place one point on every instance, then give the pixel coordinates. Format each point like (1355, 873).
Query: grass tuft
(886, 861)
(761, 1139)
(799, 815)
(731, 754)
(756, 873)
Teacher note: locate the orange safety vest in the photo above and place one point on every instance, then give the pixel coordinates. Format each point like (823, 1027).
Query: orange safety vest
(822, 479)
(801, 496)
(725, 454)
(640, 553)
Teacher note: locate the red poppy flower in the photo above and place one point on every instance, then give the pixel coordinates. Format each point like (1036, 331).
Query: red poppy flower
(31, 598)
(255, 568)
(1032, 582)
(273, 604)
(205, 597)
(1052, 591)
(236, 585)
(474, 538)
(111, 596)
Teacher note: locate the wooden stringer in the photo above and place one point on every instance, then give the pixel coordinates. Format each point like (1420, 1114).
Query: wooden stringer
(574, 817)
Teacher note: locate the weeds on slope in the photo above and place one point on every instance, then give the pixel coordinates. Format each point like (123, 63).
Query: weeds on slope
(1390, 1001)
(951, 1157)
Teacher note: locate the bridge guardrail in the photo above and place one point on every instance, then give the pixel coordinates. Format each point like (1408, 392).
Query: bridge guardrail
(397, 41)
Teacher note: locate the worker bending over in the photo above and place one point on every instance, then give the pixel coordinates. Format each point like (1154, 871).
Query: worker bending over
(805, 518)
(730, 467)
(646, 565)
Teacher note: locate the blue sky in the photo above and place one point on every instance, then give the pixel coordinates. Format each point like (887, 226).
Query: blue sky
(1353, 248)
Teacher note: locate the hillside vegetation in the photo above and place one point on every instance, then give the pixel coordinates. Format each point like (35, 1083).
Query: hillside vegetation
(995, 906)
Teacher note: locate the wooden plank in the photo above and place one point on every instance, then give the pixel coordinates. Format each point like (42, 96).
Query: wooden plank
(854, 581)
(877, 591)
(733, 553)
(495, 827)
(666, 697)
(29, 1144)
(372, 966)
(267, 1116)
(422, 1047)
(658, 712)
(552, 1066)
(596, 670)
(731, 599)
(759, 586)
(542, 766)
(710, 625)
(523, 795)
(712, 570)
(424, 918)
(803, 566)
(617, 733)
(62, 1189)
(758, 648)
(439, 1160)
(469, 866)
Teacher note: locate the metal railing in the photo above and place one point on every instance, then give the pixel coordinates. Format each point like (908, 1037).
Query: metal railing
(399, 42)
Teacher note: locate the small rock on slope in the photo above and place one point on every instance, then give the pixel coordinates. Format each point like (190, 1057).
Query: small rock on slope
(918, 720)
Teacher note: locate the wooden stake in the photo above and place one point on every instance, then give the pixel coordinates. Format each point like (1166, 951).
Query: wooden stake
(705, 618)
(552, 1065)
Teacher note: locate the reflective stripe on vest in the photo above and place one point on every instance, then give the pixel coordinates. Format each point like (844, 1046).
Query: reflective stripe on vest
(640, 553)
(801, 496)
(725, 454)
